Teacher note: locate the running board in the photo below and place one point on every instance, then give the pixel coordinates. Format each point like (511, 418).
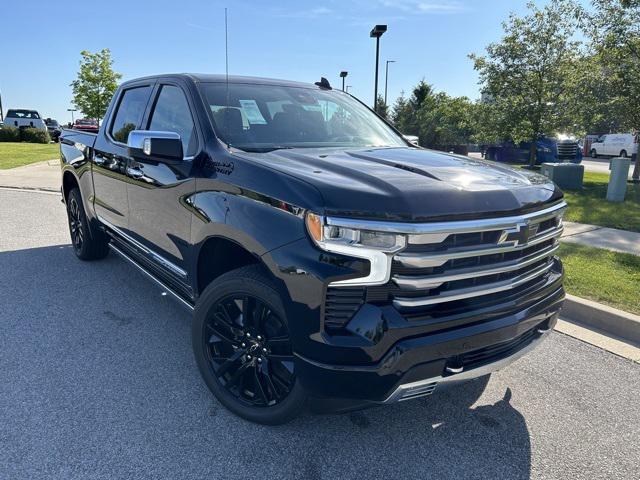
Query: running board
(167, 289)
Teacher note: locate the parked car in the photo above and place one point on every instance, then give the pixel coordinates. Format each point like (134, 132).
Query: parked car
(54, 128)
(86, 125)
(615, 144)
(22, 118)
(548, 149)
(325, 258)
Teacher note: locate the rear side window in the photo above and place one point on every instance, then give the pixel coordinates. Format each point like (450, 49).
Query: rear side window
(172, 114)
(129, 112)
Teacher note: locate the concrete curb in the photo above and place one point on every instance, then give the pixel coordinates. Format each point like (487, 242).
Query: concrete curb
(621, 324)
(32, 189)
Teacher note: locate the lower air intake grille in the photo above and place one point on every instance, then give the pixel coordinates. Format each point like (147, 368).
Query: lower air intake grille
(495, 352)
(340, 305)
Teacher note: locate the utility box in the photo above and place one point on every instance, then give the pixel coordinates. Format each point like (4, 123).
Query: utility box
(617, 188)
(565, 175)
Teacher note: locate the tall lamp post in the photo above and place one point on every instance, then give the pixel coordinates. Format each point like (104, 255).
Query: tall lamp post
(1, 113)
(343, 75)
(386, 79)
(376, 32)
(72, 110)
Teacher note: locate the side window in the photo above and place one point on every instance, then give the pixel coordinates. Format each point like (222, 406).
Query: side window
(129, 112)
(172, 114)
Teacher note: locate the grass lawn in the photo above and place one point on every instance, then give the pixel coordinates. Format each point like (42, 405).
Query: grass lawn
(589, 205)
(18, 154)
(606, 277)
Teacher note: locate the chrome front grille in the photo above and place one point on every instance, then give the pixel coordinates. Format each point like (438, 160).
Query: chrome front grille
(475, 259)
(567, 151)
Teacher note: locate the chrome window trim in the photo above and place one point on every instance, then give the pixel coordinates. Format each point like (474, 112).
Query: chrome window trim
(157, 257)
(460, 226)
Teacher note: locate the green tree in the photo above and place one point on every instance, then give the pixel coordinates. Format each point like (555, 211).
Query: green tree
(405, 111)
(614, 31)
(96, 83)
(446, 121)
(523, 74)
(401, 114)
(383, 108)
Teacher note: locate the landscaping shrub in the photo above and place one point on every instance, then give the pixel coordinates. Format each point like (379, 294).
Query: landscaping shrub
(9, 134)
(34, 135)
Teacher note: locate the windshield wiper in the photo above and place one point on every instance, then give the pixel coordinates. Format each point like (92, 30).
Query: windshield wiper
(263, 149)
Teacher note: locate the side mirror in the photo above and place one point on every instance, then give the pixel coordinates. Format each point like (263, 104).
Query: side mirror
(159, 146)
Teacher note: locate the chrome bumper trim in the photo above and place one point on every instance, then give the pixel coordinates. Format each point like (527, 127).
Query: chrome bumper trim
(421, 388)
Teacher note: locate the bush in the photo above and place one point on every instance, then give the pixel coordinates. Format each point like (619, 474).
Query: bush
(9, 134)
(34, 135)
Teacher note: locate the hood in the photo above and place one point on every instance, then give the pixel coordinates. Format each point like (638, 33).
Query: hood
(409, 184)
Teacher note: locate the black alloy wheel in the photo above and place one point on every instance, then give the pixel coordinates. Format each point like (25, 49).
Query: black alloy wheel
(88, 243)
(243, 346)
(249, 349)
(75, 224)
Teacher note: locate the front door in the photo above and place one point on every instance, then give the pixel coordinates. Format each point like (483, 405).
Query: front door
(111, 160)
(160, 217)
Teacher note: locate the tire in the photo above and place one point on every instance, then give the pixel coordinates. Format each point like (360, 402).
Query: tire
(623, 153)
(247, 364)
(593, 153)
(88, 243)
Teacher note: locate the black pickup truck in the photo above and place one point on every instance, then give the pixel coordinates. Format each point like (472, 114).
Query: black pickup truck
(327, 260)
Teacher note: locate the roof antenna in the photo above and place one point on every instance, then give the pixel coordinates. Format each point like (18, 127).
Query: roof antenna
(226, 62)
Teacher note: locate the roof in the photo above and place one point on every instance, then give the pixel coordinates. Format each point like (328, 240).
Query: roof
(221, 78)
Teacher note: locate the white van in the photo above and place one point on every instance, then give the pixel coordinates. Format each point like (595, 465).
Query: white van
(615, 144)
(24, 118)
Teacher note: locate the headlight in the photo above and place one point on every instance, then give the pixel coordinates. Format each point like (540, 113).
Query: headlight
(377, 247)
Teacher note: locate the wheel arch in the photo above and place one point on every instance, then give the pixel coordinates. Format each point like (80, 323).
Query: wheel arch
(220, 254)
(69, 182)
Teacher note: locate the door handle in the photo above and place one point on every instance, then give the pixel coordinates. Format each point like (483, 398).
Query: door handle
(134, 172)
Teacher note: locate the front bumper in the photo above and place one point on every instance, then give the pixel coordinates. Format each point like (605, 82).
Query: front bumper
(417, 366)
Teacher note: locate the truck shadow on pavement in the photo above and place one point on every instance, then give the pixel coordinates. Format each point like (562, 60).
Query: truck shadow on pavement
(99, 381)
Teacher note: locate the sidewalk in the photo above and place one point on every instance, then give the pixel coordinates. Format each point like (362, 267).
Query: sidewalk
(36, 176)
(602, 237)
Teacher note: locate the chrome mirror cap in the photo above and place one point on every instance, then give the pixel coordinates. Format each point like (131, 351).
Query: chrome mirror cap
(163, 146)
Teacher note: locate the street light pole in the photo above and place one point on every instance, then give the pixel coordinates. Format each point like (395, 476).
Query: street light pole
(386, 79)
(1, 113)
(376, 33)
(343, 75)
(72, 110)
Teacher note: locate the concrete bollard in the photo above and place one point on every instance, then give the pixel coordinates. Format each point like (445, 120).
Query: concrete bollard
(617, 188)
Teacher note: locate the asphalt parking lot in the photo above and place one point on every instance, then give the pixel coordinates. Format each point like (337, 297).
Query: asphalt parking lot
(97, 380)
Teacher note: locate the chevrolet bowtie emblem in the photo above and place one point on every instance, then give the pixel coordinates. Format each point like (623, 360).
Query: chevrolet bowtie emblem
(519, 235)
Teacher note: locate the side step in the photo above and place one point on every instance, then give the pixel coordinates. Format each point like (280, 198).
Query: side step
(164, 287)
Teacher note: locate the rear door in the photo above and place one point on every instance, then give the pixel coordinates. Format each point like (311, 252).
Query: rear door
(158, 191)
(111, 160)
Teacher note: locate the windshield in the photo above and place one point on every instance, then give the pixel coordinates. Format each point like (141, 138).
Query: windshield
(32, 114)
(267, 117)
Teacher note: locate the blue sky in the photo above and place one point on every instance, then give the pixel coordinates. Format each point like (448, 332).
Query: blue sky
(296, 40)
